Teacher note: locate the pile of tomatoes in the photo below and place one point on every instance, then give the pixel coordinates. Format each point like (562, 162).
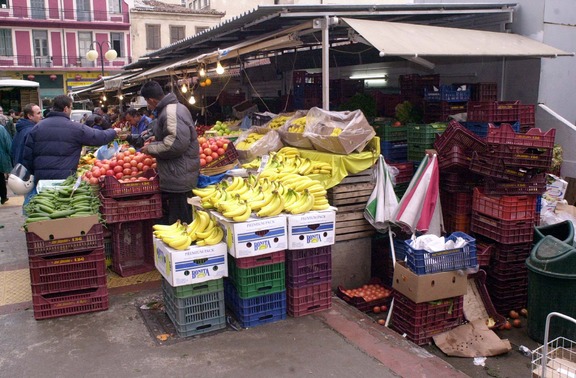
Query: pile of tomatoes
(211, 149)
(369, 292)
(126, 165)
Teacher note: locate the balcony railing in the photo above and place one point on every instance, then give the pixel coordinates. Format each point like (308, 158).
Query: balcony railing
(36, 13)
(59, 61)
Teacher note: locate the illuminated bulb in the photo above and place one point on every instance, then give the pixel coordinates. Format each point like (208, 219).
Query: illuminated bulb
(184, 88)
(192, 100)
(120, 97)
(202, 72)
(111, 55)
(92, 55)
(219, 69)
(104, 98)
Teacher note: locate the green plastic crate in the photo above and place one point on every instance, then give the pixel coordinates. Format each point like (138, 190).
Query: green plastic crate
(389, 133)
(424, 134)
(194, 289)
(260, 280)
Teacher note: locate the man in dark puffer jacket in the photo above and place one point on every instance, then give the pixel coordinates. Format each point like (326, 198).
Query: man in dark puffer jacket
(31, 115)
(176, 151)
(52, 149)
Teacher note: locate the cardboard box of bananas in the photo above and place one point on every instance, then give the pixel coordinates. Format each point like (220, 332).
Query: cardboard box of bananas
(292, 132)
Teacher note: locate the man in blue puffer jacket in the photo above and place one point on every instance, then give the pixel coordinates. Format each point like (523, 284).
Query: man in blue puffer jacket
(52, 149)
(31, 115)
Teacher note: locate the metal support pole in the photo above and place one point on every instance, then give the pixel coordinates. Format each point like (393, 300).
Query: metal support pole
(325, 64)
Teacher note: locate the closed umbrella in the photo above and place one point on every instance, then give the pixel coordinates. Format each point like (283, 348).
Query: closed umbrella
(383, 202)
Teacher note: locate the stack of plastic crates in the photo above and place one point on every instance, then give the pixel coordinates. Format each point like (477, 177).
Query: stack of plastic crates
(508, 223)
(68, 275)
(421, 321)
(256, 289)
(402, 180)
(308, 280)
(421, 137)
(197, 308)
(440, 111)
(393, 140)
(129, 210)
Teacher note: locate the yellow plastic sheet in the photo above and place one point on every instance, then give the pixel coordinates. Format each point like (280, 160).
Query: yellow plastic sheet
(344, 165)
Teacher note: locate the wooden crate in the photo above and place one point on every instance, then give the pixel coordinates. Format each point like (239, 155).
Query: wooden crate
(352, 225)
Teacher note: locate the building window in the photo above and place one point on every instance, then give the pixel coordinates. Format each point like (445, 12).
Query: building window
(115, 6)
(152, 37)
(4, 4)
(177, 33)
(200, 29)
(6, 42)
(200, 4)
(117, 42)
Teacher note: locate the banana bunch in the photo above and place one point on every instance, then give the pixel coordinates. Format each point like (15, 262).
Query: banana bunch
(337, 131)
(320, 167)
(277, 122)
(300, 184)
(271, 205)
(254, 164)
(204, 230)
(236, 209)
(174, 235)
(298, 203)
(288, 151)
(249, 141)
(298, 125)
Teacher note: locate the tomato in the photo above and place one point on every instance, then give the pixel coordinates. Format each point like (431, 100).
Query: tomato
(215, 155)
(145, 168)
(220, 151)
(119, 156)
(381, 321)
(109, 172)
(153, 166)
(127, 158)
(142, 178)
(126, 165)
(133, 178)
(88, 174)
(219, 142)
(133, 163)
(93, 181)
(383, 308)
(112, 164)
(147, 161)
(117, 169)
(513, 314)
(119, 175)
(208, 159)
(517, 323)
(127, 171)
(139, 166)
(202, 156)
(207, 151)
(134, 170)
(202, 162)
(103, 171)
(139, 157)
(97, 164)
(376, 309)
(524, 312)
(201, 140)
(204, 145)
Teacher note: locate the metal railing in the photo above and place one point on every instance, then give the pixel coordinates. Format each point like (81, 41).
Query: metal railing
(49, 13)
(58, 61)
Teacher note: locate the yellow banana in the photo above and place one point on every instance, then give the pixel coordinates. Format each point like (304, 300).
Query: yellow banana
(274, 208)
(215, 238)
(236, 211)
(164, 227)
(243, 217)
(181, 242)
(320, 201)
(305, 184)
(203, 222)
(204, 192)
(305, 205)
(204, 234)
(236, 181)
(321, 207)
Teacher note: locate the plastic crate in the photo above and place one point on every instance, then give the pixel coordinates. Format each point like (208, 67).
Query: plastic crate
(405, 171)
(91, 240)
(132, 248)
(453, 182)
(197, 314)
(508, 270)
(511, 253)
(255, 311)
(484, 251)
(534, 138)
(497, 169)
(417, 152)
(390, 133)
(112, 188)
(457, 135)
(359, 302)
(261, 280)
(527, 114)
(504, 207)
(307, 300)
(536, 186)
(481, 128)
(503, 231)
(416, 322)
(305, 267)
(55, 274)
(130, 209)
(423, 262)
(193, 289)
(454, 160)
(75, 302)
(456, 203)
(448, 93)
(484, 92)
(479, 282)
(424, 134)
(457, 222)
(507, 288)
(522, 156)
(441, 111)
(493, 111)
(267, 259)
(394, 151)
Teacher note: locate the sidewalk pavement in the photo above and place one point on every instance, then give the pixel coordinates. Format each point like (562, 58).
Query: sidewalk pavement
(340, 342)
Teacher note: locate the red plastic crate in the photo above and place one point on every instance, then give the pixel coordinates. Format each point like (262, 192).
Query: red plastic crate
(454, 160)
(457, 135)
(111, 187)
(520, 156)
(507, 289)
(456, 203)
(504, 207)
(131, 209)
(77, 271)
(484, 251)
(527, 115)
(497, 169)
(405, 171)
(493, 111)
(454, 223)
(536, 186)
(132, 248)
(503, 231)
(307, 300)
(91, 240)
(511, 252)
(441, 111)
(305, 267)
(267, 259)
(484, 92)
(70, 303)
(508, 270)
(457, 182)
(362, 304)
(534, 138)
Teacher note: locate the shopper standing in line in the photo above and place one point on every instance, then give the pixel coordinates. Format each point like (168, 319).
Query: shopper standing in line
(176, 151)
(32, 114)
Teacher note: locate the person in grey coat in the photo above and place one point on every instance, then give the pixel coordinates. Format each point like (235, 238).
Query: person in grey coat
(176, 150)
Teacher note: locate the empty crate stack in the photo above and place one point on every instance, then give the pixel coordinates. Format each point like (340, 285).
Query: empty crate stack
(393, 140)
(256, 288)
(421, 314)
(67, 267)
(440, 102)
(421, 138)
(129, 210)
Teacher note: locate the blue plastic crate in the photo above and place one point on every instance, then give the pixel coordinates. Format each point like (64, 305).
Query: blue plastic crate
(255, 311)
(448, 93)
(394, 151)
(481, 128)
(424, 262)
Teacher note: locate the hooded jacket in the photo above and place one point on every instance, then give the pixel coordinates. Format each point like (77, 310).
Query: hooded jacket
(23, 127)
(52, 149)
(176, 147)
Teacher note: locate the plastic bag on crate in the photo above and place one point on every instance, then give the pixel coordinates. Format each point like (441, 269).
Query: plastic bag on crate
(295, 138)
(106, 152)
(338, 132)
(266, 141)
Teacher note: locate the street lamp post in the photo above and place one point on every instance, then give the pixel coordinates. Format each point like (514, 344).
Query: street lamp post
(92, 54)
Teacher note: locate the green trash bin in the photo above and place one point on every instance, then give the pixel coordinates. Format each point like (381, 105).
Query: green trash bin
(562, 231)
(551, 287)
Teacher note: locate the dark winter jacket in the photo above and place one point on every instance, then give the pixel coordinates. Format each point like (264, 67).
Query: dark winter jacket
(52, 149)
(176, 147)
(23, 127)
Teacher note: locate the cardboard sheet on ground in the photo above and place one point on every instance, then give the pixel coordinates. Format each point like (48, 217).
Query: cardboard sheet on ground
(472, 339)
(344, 165)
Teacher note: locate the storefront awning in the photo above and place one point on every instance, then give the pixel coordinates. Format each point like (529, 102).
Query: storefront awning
(412, 40)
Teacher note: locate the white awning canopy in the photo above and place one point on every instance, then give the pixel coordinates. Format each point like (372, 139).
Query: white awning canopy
(412, 40)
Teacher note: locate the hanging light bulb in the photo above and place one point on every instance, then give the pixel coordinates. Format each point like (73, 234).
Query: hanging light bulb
(120, 96)
(219, 68)
(104, 97)
(202, 72)
(192, 99)
(184, 88)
